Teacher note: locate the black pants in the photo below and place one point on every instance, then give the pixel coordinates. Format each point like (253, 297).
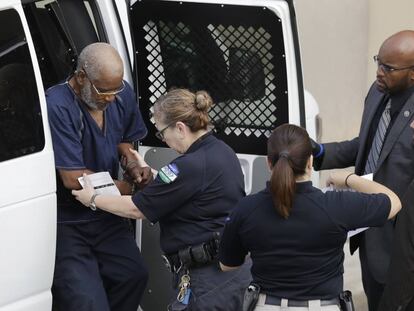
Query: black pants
(98, 267)
(372, 288)
(214, 290)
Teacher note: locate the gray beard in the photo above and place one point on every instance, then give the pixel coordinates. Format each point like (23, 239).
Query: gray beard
(86, 96)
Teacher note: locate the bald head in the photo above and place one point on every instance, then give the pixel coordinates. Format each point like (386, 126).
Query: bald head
(100, 60)
(400, 46)
(395, 60)
(99, 76)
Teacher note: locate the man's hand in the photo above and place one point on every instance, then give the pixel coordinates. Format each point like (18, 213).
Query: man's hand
(136, 171)
(139, 175)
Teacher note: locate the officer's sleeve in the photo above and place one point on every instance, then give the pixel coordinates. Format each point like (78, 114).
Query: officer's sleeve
(134, 126)
(66, 135)
(231, 250)
(352, 210)
(176, 185)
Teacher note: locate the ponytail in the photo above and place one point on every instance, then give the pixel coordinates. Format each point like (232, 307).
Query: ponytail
(288, 151)
(282, 185)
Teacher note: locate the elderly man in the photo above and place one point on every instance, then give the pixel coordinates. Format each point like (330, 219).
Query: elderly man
(94, 119)
(384, 147)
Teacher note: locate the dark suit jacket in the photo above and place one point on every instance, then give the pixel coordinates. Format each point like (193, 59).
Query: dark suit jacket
(399, 289)
(395, 169)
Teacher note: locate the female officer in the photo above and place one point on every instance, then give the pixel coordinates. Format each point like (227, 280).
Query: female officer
(295, 233)
(191, 197)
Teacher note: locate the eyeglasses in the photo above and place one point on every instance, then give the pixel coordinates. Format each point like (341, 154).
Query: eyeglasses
(160, 134)
(102, 92)
(387, 68)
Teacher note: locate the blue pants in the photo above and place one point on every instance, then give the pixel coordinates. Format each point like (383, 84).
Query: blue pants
(215, 290)
(98, 267)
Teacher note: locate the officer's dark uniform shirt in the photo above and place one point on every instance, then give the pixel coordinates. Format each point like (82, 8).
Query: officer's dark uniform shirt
(79, 143)
(300, 257)
(193, 195)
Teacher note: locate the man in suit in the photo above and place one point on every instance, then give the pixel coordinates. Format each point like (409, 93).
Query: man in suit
(383, 147)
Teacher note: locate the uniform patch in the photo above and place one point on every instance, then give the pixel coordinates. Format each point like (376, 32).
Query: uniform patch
(168, 173)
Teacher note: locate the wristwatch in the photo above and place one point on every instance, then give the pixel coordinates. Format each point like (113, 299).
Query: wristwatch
(92, 204)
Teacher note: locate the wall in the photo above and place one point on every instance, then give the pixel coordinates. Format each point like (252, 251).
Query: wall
(386, 18)
(333, 37)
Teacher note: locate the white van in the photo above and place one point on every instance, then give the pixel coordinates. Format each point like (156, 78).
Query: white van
(245, 53)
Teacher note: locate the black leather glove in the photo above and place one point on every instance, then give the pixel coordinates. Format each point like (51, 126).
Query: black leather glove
(317, 149)
(318, 152)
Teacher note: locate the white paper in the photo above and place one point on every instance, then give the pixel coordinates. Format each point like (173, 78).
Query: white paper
(368, 176)
(330, 188)
(356, 231)
(102, 182)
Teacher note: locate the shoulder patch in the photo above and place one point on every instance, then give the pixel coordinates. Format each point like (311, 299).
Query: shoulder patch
(168, 173)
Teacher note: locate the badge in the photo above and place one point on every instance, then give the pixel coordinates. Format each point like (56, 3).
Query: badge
(168, 173)
(406, 113)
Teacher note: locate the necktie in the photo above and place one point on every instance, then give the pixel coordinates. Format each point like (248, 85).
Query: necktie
(378, 140)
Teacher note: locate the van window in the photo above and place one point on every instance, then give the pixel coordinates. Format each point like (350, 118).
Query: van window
(236, 53)
(60, 30)
(21, 127)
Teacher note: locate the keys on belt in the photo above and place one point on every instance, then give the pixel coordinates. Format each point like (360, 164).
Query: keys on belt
(184, 291)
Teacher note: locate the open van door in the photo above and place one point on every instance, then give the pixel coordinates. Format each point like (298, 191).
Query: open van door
(27, 183)
(246, 55)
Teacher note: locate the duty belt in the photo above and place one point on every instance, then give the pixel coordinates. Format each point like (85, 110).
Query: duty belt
(192, 256)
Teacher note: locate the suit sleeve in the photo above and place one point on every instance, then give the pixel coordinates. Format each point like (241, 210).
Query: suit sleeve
(399, 287)
(338, 155)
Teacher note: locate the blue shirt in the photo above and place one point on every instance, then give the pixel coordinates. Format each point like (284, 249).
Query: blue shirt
(79, 143)
(300, 257)
(192, 196)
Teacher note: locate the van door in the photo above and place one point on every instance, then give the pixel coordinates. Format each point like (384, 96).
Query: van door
(246, 55)
(27, 183)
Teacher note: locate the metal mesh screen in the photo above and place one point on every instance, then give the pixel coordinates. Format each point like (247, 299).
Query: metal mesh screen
(241, 65)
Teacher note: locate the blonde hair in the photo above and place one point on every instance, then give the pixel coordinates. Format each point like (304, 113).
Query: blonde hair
(185, 106)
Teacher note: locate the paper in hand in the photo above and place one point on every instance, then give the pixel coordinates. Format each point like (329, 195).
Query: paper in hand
(102, 182)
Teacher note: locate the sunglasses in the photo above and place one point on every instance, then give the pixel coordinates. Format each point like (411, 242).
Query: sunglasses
(104, 92)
